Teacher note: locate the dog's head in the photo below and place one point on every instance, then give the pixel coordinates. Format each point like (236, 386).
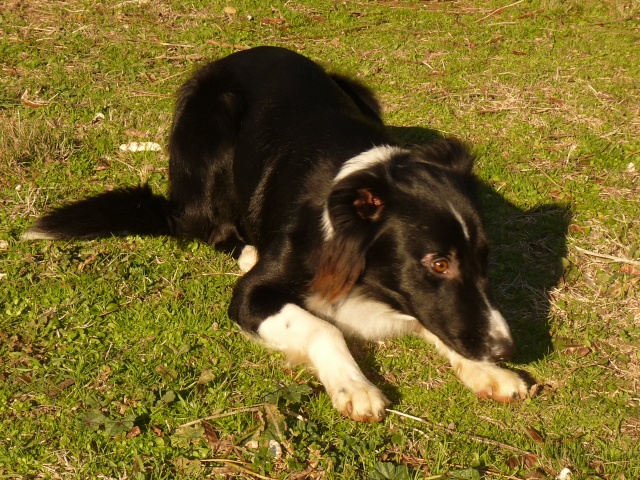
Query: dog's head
(404, 226)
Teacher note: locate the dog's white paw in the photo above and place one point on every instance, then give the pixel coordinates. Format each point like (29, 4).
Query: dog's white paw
(491, 381)
(248, 258)
(360, 401)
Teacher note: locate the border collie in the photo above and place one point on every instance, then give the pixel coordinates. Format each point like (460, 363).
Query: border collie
(342, 231)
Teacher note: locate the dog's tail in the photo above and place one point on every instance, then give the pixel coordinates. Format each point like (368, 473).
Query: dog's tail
(125, 211)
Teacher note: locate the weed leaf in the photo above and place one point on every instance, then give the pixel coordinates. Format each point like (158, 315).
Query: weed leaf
(292, 393)
(116, 427)
(93, 420)
(389, 471)
(295, 392)
(465, 474)
(166, 399)
(185, 436)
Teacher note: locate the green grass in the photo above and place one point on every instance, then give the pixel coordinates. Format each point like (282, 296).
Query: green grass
(109, 348)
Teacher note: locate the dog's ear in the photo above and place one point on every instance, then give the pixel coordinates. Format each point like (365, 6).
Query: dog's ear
(355, 210)
(448, 153)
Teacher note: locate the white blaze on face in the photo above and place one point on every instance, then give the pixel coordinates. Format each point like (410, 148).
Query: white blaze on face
(498, 328)
(375, 155)
(461, 221)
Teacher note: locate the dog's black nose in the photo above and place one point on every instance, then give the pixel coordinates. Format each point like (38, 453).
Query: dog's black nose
(502, 350)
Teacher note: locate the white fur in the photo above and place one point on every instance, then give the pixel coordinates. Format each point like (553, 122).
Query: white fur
(248, 258)
(327, 227)
(302, 335)
(35, 234)
(463, 224)
(379, 154)
(357, 315)
(372, 320)
(498, 328)
(485, 379)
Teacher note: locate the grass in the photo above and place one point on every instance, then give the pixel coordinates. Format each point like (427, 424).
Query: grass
(111, 350)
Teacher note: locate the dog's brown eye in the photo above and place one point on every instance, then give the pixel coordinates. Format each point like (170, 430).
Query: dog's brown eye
(440, 265)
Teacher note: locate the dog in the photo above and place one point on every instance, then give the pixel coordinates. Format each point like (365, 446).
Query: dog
(342, 230)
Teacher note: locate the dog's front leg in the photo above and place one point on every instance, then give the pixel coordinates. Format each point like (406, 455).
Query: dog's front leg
(303, 336)
(485, 379)
(260, 307)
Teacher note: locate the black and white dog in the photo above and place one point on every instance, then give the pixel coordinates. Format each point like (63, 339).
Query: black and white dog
(342, 230)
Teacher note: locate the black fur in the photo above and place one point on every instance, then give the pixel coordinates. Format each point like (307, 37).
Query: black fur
(257, 141)
(125, 211)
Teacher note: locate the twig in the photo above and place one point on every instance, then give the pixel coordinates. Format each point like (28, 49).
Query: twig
(548, 176)
(213, 274)
(254, 408)
(235, 464)
(477, 438)
(499, 10)
(608, 257)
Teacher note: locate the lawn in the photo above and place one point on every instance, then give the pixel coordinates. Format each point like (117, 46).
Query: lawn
(117, 358)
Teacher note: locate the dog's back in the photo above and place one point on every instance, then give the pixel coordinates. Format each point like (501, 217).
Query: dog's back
(250, 135)
(223, 154)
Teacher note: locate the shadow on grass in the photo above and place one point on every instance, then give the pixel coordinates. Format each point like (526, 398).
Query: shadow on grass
(526, 263)
(527, 247)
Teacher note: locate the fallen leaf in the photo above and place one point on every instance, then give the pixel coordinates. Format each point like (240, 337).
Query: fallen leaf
(33, 103)
(132, 132)
(272, 21)
(87, 262)
(529, 14)
(536, 474)
(61, 386)
(210, 434)
(275, 450)
(535, 436)
(206, 376)
(251, 445)
(629, 269)
(98, 118)
(134, 432)
(530, 460)
(230, 10)
(533, 391)
(580, 351)
(527, 461)
(513, 463)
